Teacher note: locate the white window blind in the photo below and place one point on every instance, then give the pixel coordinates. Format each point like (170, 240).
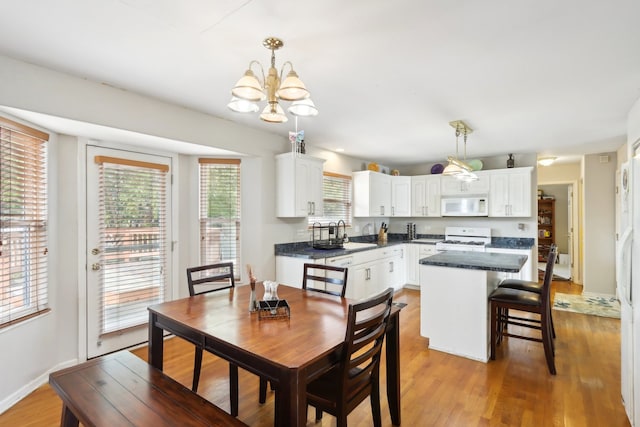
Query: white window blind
(133, 256)
(220, 212)
(23, 222)
(336, 193)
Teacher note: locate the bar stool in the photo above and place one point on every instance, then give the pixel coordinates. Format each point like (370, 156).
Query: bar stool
(503, 299)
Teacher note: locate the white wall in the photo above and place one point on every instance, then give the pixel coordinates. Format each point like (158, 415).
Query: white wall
(49, 342)
(599, 224)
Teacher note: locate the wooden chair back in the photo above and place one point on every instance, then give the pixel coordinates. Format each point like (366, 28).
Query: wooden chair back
(360, 364)
(548, 276)
(210, 278)
(325, 278)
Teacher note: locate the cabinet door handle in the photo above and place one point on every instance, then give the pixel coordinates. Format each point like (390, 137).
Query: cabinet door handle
(393, 211)
(381, 209)
(368, 271)
(423, 210)
(313, 207)
(391, 267)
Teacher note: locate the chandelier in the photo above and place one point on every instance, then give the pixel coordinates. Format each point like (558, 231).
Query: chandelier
(250, 90)
(457, 168)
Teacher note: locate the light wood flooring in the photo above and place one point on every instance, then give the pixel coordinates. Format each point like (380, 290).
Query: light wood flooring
(437, 389)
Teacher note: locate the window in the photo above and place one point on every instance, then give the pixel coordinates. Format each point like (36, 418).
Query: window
(336, 195)
(23, 222)
(220, 212)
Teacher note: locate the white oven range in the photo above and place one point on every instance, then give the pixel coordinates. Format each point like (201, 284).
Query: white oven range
(471, 239)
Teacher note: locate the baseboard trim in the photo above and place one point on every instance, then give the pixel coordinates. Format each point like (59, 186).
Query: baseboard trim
(30, 387)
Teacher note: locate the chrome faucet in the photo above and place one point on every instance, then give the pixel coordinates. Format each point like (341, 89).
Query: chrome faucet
(342, 235)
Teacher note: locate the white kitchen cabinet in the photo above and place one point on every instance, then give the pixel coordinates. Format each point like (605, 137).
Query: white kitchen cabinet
(411, 264)
(298, 185)
(451, 186)
(378, 194)
(393, 269)
(510, 192)
(400, 196)
(425, 195)
(289, 270)
(527, 271)
(371, 194)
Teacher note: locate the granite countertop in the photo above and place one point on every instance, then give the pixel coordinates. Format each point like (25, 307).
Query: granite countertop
(305, 250)
(509, 263)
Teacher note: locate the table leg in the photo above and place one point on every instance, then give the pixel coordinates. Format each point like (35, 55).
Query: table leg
(291, 400)
(156, 342)
(393, 368)
(68, 418)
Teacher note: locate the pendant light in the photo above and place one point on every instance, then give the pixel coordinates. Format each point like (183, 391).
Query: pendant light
(456, 167)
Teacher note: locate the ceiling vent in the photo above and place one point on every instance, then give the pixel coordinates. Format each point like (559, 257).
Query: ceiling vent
(604, 159)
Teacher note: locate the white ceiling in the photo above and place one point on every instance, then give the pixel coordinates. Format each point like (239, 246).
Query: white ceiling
(546, 76)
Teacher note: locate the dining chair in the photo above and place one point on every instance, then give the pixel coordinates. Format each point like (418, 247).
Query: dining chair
(202, 280)
(503, 299)
(325, 278)
(356, 375)
(526, 285)
(319, 278)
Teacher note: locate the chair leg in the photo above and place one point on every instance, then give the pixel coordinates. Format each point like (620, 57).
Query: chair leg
(263, 390)
(375, 404)
(494, 326)
(197, 365)
(547, 342)
(553, 328)
(233, 388)
(318, 414)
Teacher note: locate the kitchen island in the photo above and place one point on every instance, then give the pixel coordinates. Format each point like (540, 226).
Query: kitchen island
(454, 310)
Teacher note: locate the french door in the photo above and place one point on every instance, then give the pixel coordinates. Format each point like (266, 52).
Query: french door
(128, 238)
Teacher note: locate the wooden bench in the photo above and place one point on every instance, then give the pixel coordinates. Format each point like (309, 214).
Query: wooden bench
(123, 390)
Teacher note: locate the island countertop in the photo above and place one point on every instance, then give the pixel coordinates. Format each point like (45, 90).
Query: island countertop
(488, 261)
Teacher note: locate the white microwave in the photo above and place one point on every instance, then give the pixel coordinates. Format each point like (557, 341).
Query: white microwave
(464, 206)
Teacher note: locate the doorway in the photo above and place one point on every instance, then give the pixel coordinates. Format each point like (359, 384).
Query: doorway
(563, 219)
(128, 241)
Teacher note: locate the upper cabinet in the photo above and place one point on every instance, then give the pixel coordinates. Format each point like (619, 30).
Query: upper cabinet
(451, 186)
(371, 194)
(510, 193)
(400, 196)
(425, 195)
(299, 185)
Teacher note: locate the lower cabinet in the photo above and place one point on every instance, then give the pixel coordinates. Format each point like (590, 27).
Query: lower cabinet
(289, 270)
(385, 268)
(415, 252)
(370, 272)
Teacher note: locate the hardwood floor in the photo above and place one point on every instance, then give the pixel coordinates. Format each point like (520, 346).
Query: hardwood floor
(437, 389)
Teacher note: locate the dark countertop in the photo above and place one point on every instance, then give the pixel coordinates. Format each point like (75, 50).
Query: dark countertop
(509, 263)
(304, 249)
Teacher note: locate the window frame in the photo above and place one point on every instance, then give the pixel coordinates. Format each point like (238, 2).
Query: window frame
(22, 145)
(347, 182)
(236, 229)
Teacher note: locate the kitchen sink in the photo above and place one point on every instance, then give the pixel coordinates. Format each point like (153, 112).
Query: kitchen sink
(358, 245)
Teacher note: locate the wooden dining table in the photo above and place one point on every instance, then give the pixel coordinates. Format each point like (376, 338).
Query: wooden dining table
(288, 351)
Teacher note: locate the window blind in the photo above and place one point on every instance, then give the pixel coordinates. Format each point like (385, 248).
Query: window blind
(23, 222)
(220, 212)
(336, 193)
(133, 258)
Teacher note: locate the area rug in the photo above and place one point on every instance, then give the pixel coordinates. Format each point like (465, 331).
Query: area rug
(596, 306)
